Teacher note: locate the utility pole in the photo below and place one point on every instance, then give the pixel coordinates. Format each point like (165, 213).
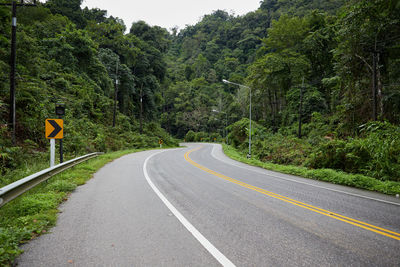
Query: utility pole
(301, 107)
(115, 95)
(13, 62)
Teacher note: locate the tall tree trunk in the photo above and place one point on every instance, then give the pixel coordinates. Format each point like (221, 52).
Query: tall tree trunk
(374, 89)
(271, 106)
(276, 104)
(379, 87)
(141, 109)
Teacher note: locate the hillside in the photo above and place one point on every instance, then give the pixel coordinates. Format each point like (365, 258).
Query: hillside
(330, 66)
(74, 56)
(324, 82)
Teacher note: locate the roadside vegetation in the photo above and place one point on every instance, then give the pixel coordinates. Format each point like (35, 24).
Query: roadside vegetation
(324, 78)
(326, 97)
(370, 161)
(35, 212)
(375, 152)
(328, 175)
(19, 162)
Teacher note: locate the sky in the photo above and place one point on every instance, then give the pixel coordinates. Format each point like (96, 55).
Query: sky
(169, 13)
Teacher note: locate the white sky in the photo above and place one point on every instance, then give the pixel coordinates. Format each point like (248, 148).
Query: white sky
(169, 13)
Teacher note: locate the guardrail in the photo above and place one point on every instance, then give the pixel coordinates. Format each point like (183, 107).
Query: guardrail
(11, 191)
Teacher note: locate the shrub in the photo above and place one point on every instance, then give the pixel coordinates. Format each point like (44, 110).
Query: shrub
(239, 133)
(201, 137)
(215, 137)
(382, 141)
(190, 136)
(280, 149)
(376, 153)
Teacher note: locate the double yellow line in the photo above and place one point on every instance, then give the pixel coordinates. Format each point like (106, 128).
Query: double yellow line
(333, 215)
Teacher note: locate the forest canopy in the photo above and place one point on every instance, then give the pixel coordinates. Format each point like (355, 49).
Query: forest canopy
(328, 68)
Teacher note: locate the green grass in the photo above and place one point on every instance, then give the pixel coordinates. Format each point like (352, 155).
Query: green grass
(34, 212)
(327, 175)
(31, 163)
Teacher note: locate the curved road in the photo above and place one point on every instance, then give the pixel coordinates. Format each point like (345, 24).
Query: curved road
(196, 207)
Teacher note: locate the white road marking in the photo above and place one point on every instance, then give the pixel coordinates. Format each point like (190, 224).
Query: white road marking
(224, 261)
(292, 180)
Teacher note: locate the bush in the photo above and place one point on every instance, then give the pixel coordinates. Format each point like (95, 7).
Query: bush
(382, 141)
(215, 137)
(376, 154)
(280, 149)
(190, 136)
(239, 133)
(201, 137)
(350, 156)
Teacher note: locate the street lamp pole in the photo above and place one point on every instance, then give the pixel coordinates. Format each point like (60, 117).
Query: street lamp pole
(241, 85)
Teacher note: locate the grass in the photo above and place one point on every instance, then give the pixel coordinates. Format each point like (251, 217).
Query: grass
(34, 212)
(31, 163)
(327, 175)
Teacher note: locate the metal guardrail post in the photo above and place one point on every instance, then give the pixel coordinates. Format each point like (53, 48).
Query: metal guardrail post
(11, 191)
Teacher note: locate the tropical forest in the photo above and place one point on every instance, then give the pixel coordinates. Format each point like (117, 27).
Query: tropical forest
(320, 81)
(304, 87)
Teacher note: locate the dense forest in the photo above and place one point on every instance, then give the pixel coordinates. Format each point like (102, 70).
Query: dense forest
(324, 77)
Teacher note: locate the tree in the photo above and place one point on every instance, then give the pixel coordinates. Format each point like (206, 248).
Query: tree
(68, 8)
(369, 32)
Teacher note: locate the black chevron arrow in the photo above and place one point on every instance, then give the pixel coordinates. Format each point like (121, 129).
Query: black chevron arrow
(56, 130)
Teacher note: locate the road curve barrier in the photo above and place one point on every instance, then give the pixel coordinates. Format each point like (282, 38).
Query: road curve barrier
(11, 191)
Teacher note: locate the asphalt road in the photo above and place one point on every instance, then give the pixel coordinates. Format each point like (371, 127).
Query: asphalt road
(196, 207)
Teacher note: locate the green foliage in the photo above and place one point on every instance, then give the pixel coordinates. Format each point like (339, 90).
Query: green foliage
(376, 154)
(280, 149)
(190, 136)
(287, 32)
(33, 213)
(68, 8)
(349, 156)
(368, 28)
(202, 137)
(62, 186)
(76, 56)
(299, 7)
(328, 175)
(239, 133)
(9, 240)
(30, 205)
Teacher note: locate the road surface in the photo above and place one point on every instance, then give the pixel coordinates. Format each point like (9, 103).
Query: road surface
(195, 207)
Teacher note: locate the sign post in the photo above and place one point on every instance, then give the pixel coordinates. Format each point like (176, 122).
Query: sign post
(60, 112)
(54, 130)
(52, 152)
(160, 142)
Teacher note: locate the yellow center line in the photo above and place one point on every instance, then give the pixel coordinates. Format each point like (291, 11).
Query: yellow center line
(330, 214)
